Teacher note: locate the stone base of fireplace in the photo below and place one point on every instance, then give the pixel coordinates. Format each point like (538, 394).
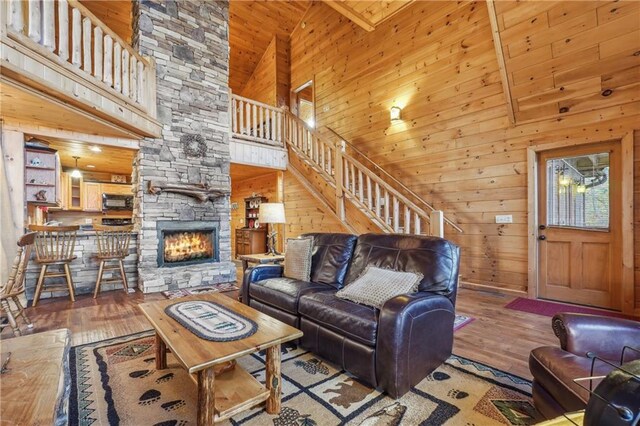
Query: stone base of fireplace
(163, 279)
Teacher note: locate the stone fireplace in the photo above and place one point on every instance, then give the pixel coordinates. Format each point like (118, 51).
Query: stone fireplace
(183, 243)
(184, 239)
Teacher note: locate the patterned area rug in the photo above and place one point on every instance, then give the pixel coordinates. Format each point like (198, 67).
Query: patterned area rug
(115, 382)
(176, 294)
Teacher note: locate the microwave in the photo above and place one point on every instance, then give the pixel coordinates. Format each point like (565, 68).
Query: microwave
(113, 202)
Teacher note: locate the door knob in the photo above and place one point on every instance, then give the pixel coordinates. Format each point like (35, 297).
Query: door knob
(542, 227)
(542, 238)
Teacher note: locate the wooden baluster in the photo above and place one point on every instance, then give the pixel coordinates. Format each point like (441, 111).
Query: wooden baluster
(377, 202)
(76, 37)
(261, 121)
(361, 186)
(248, 118)
(107, 76)
(330, 163)
(416, 224)
(369, 193)
(16, 17)
(97, 52)
(396, 215)
(279, 120)
(254, 120)
(268, 115)
(323, 156)
(436, 223)
(133, 67)
(407, 220)
(117, 66)
(339, 183)
(86, 45)
(141, 82)
(35, 20)
(49, 25)
(354, 189)
(386, 207)
(126, 77)
(63, 30)
(241, 116)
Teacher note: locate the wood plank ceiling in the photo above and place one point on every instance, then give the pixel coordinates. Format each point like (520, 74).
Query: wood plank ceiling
(562, 58)
(252, 26)
(109, 160)
(368, 14)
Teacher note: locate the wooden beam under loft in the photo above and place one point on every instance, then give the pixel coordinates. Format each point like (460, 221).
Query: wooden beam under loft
(351, 14)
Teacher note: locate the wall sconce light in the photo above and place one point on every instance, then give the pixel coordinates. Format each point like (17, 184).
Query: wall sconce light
(396, 113)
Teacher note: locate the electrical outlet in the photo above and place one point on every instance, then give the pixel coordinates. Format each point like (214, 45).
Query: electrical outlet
(504, 218)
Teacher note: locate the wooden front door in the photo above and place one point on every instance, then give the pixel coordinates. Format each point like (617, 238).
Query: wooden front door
(579, 235)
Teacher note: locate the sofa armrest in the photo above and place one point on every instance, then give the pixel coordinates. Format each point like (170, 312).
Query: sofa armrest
(604, 336)
(415, 335)
(258, 273)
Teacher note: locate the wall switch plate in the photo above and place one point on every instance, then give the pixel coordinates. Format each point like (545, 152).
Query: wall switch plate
(88, 221)
(504, 218)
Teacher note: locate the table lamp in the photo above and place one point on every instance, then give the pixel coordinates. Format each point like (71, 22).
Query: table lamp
(271, 213)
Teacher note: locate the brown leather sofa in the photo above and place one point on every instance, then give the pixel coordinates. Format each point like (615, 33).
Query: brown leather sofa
(555, 368)
(393, 348)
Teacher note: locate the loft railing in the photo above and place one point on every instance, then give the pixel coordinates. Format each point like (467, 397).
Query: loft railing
(370, 192)
(255, 121)
(66, 31)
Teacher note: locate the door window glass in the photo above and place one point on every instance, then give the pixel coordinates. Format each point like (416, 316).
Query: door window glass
(578, 191)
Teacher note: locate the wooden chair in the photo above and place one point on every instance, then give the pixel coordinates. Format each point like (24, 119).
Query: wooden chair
(113, 245)
(54, 246)
(14, 287)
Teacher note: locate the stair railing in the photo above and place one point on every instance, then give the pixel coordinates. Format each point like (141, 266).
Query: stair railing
(256, 121)
(388, 177)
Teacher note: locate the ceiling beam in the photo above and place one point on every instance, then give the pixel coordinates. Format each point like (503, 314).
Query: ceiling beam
(351, 14)
(497, 44)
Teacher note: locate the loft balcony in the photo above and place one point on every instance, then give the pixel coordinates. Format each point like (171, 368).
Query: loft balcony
(62, 67)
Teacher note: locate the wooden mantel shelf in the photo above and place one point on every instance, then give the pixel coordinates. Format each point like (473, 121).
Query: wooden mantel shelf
(200, 191)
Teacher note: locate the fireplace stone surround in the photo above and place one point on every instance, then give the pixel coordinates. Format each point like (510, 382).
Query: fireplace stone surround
(189, 43)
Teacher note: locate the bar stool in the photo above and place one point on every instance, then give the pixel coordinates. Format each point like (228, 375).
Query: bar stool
(54, 246)
(14, 287)
(113, 245)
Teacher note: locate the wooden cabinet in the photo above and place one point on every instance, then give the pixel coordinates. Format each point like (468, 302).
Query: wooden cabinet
(41, 171)
(74, 193)
(251, 241)
(92, 197)
(117, 188)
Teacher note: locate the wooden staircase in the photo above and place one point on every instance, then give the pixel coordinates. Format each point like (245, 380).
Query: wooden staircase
(346, 186)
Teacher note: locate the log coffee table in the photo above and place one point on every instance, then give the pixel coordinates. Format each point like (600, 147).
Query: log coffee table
(234, 391)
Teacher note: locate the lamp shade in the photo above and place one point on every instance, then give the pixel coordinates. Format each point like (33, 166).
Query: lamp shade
(271, 213)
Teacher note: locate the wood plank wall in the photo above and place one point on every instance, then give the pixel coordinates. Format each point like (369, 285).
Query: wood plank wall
(269, 82)
(455, 144)
(636, 216)
(116, 14)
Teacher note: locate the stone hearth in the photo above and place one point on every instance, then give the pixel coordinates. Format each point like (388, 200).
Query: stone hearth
(189, 43)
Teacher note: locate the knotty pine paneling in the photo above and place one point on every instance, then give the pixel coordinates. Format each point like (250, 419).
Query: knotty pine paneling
(269, 82)
(455, 145)
(567, 57)
(636, 205)
(304, 214)
(116, 14)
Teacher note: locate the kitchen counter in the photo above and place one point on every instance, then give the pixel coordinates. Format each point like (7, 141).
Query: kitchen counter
(84, 269)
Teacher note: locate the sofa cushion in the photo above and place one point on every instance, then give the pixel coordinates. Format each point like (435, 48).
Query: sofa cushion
(356, 322)
(283, 293)
(373, 287)
(555, 369)
(331, 256)
(297, 258)
(436, 258)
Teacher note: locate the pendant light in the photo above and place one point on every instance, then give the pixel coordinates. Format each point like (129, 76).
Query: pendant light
(75, 173)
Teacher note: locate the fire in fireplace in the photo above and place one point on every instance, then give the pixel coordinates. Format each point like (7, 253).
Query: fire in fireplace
(187, 242)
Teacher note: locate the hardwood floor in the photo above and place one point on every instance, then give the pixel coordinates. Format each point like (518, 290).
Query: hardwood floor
(499, 337)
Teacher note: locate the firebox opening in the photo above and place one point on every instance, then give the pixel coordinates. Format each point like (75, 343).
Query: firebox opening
(187, 243)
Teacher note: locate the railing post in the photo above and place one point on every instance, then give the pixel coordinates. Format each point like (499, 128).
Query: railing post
(436, 223)
(337, 163)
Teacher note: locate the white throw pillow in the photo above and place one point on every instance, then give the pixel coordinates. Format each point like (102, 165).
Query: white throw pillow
(297, 258)
(377, 285)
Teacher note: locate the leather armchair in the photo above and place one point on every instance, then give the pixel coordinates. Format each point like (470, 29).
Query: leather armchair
(555, 368)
